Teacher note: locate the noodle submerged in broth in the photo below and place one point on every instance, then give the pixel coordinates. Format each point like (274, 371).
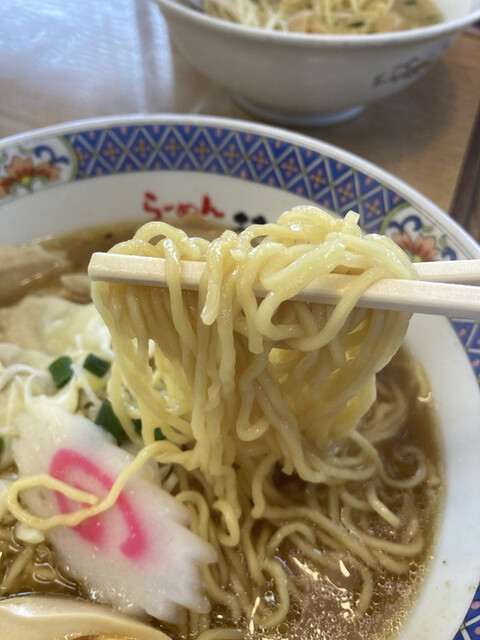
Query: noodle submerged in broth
(316, 481)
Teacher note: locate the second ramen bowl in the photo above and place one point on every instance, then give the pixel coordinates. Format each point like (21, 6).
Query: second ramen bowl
(306, 79)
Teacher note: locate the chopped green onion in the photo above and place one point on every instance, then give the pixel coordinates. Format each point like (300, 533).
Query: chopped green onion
(358, 24)
(137, 425)
(2, 445)
(158, 434)
(96, 365)
(61, 370)
(107, 419)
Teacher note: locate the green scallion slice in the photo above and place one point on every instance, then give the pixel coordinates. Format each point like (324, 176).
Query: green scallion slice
(96, 365)
(158, 434)
(61, 370)
(2, 445)
(137, 425)
(107, 419)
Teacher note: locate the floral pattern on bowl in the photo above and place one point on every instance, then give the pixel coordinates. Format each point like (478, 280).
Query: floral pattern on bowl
(23, 170)
(421, 240)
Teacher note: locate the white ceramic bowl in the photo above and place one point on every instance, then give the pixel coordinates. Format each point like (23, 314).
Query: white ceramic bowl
(62, 178)
(305, 79)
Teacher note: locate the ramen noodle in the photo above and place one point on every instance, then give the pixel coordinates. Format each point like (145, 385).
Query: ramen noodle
(327, 16)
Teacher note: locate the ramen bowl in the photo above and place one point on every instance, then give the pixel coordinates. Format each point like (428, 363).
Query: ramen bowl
(104, 172)
(306, 79)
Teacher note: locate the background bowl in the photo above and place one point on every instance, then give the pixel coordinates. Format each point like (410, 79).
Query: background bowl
(103, 171)
(305, 79)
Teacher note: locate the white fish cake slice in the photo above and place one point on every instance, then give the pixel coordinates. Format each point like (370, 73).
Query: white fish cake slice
(139, 555)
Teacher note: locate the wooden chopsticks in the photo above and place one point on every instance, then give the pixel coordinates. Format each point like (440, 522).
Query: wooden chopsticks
(444, 288)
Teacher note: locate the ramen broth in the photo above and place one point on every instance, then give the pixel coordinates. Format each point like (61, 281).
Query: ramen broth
(326, 606)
